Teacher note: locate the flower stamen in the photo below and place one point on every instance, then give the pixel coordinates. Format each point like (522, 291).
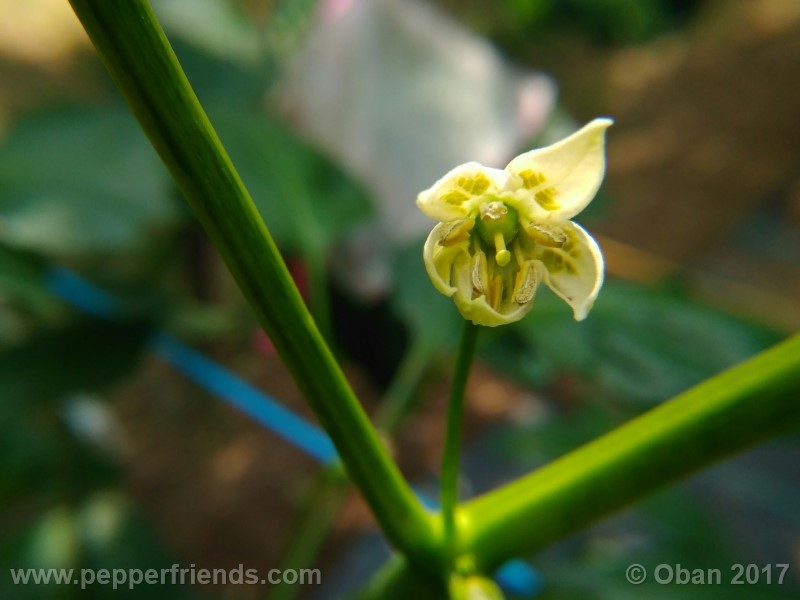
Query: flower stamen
(496, 293)
(480, 273)
(526, 282)
(543, 234)
(458, 232)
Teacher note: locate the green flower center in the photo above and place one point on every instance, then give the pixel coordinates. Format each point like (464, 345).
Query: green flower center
(497, 224)
(503, 264)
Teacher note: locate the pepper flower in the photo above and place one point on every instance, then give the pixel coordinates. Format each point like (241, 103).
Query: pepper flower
(504, 232)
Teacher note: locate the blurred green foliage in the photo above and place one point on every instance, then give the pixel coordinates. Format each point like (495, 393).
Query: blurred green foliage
(306, 201)
(514, 22)
(639, 345)
(51, 202)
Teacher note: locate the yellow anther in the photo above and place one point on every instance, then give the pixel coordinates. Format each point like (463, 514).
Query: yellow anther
(525, 284)
(457, 232)
(503, 256)
(480, 273)
(496, 293)
(545, 235)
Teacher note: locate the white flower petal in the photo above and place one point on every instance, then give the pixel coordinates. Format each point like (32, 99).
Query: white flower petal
(558, 181)
(479, 312)
(574, 272)
(458, 193)
(439, 260)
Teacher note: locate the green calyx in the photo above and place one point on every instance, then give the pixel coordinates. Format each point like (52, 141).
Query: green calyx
(497, 225)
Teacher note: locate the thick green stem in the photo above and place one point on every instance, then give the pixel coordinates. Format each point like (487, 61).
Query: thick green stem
(455, 417)
(136, 52)
(724, 414)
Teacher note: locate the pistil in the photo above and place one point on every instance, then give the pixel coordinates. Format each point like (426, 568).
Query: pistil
(502, 256)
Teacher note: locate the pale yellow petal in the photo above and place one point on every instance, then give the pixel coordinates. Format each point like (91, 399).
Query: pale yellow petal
(457, 194)
(575, 271)
(480, 312)
(557, 182)
(439, 260)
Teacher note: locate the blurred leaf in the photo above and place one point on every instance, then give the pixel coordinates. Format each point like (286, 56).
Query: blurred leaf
(220, 28)
(43, 462)
(530, 445)
(604, 21)
(21, 282)
(619, 20)
(80, 180)
(53, 540)
(306, 201)
(87, 354)
(220, 81)
(675, 527)
(427, 312)
(40, 456)
(639, 345)
(529, 12)
(24, 303)
(103, 532)
(114, 535)
(287, 26)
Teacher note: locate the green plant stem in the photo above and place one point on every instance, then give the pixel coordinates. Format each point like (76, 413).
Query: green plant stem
(724, 414)
(452, 443)
(329, 486)
(136, 52)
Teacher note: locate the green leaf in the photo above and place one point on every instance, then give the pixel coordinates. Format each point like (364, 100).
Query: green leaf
(220, 28)
(21, 281)
(619, 20)
(529, 446)
(44, 462)
(36, 377)
(85, 355)
(80, 180)
(24, 303)
(638, 344)
(306, 201)
(674, 527)
(223, 82)
(105, 531)
(425, 311)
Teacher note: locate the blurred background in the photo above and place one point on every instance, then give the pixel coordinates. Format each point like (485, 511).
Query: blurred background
(118, 453)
